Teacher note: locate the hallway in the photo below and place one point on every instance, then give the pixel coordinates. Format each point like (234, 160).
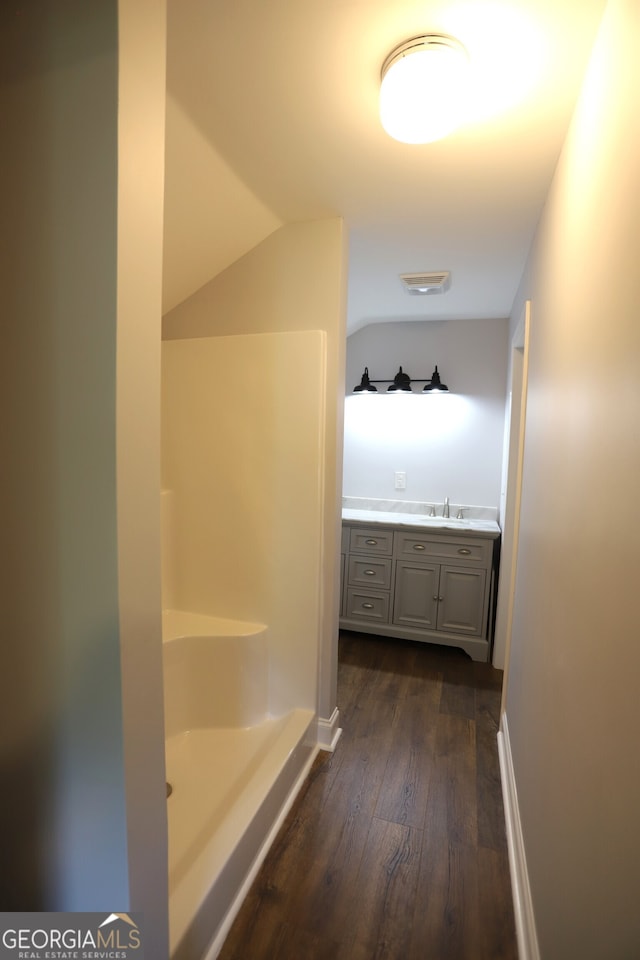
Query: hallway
(395, 847)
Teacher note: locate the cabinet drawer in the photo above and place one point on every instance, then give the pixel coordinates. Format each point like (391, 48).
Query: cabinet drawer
(371, 541)
(415, 546)
(367, 571)
(363, 605)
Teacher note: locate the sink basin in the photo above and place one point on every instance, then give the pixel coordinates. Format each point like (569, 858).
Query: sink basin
(444, 521)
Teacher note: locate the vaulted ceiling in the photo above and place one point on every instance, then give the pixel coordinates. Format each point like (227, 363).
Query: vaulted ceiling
(272, 117)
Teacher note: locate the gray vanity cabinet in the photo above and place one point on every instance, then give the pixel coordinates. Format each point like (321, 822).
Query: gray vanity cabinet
(435, 587)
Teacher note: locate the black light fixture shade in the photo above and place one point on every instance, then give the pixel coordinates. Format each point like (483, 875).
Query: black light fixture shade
(435, 383)
(401, 381)
(365, 385)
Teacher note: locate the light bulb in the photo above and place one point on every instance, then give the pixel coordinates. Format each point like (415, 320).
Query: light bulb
(424, 89)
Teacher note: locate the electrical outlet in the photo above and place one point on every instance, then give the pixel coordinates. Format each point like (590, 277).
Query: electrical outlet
(401, 480)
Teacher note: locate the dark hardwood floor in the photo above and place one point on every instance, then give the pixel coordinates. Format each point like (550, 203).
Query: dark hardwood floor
(395, 847)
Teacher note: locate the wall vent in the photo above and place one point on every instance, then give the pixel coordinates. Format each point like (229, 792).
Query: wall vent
(426, 284)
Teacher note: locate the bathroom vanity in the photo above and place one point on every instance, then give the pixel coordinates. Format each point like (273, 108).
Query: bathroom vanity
(410, 575)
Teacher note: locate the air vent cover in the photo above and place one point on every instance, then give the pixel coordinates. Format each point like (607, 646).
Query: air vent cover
(426, 284)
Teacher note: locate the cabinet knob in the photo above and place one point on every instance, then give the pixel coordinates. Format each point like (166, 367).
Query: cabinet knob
(464, 551)
(370, 573)
(368, 606)
(373, 543)
(440, 599)
(435, 598)
(418, 546)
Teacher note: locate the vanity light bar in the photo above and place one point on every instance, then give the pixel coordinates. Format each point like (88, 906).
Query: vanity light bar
(402, 383)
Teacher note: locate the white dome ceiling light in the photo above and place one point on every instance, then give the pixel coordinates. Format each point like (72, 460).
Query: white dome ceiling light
(424, 89)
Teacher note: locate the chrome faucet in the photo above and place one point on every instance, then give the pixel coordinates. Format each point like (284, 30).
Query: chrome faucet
(445, 509)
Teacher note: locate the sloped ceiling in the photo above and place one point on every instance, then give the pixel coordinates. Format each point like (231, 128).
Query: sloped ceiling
(272, 117)
(211, 217)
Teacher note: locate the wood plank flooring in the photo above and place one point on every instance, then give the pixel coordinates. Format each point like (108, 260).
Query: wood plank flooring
(395, 847)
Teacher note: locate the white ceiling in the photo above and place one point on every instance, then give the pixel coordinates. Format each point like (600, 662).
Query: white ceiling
(272, 117)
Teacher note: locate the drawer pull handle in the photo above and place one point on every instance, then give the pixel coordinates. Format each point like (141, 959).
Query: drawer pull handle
(373, 543)
(418, 546)
(370, 573)
(464, 551)
(368, 606)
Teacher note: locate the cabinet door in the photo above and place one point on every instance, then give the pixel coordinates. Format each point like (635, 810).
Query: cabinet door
(416, 595)
(461, 600)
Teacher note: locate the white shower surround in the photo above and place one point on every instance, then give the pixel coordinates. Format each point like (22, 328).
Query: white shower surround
(242, 531)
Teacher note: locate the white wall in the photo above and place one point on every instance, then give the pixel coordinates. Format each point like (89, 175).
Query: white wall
(448, 444)
(64, 829)
(70, 811)
(295, 280)
(141, 37)
(572, 702)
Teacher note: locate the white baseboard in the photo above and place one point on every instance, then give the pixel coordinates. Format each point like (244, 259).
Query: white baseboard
(329, 731)
(522, 902)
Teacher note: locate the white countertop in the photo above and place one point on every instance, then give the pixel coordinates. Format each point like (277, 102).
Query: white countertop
(410, 514)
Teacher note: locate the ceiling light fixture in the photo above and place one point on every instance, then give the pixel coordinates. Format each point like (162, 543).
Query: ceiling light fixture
(424, 89)
(401, 383)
